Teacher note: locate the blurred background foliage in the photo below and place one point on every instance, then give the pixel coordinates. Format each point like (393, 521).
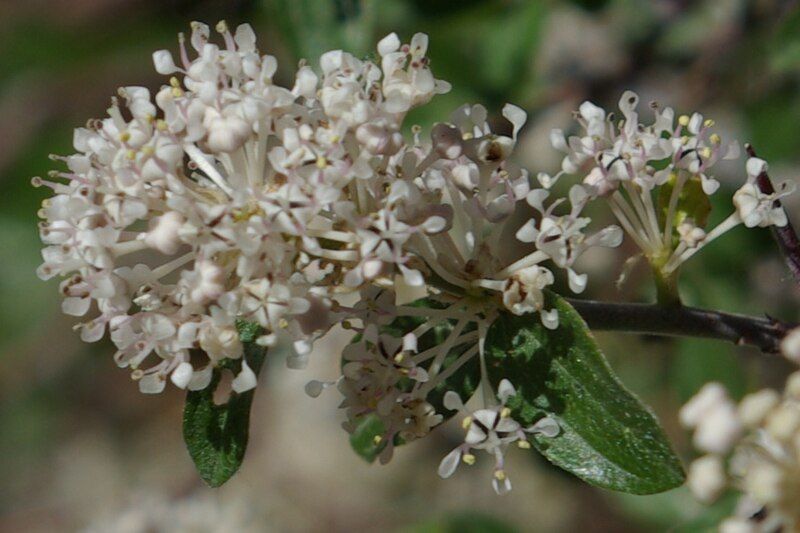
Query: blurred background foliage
(82, 449)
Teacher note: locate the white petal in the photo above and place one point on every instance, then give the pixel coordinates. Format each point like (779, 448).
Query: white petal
(246, 379)
(545, 426)
(434, 224)
(505, 390)
(516, 115)
(75, 306)
(152, 384)
(389, 44)
(412, 277)
(756, 166)
(528, 232)
(452, 401)
(182, 375)
(475, 435)
(577, 282)
(201, 378)
(162, 59)
(450, 463)
(550, 318)
(409, 342)
(558, 140)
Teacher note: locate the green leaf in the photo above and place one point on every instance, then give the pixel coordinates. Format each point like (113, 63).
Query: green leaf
(608, 437)
(367, 439)
(216, 435)
(312, 27)
(692, 202)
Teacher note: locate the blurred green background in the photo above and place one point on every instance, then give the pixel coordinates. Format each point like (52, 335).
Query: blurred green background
(82, 449)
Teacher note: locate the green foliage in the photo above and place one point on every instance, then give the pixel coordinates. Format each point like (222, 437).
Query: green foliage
(784, 49)
(464, 522)
(699, 361)
(367, 440)
(216, 435)
(676, 511)
(312, 27)
(499, 52)
(692, 202)
(773, 124)
(608, 438)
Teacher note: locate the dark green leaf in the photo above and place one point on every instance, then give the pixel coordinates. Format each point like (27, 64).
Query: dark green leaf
(692, 202)
(367, 440)
(216, 435)
(608, 438)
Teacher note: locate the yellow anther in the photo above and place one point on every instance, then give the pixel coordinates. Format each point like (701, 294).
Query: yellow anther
(125, 136)
(377, 439)
(708, 122)
(346, 324)
(468, 458)
(683, 120)
(684, 139)
(336, 139)
(525, 445)
(399, 358)
(222, 26)
(161, 125)
(715, 139)
(505, 413)
(174, 82)
(322, 162)
(466, 136)
(148, 151)
(500, 475)
(283, 323)
(130, 154)
(176, 92)
(137, 375)
(705, 152)
(467, 422)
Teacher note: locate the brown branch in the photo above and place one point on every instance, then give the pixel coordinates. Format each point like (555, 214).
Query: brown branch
(764, 333)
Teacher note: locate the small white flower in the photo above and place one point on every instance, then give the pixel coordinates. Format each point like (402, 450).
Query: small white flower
(492, 430)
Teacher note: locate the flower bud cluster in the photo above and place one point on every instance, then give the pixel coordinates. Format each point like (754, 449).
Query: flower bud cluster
(753, 447)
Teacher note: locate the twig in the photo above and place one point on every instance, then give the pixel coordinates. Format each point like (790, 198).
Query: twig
(763, 333)
(785, 236)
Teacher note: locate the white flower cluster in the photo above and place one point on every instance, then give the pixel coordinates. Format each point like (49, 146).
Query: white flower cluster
(627, 161)
(229, 198)
(753, 447)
